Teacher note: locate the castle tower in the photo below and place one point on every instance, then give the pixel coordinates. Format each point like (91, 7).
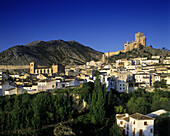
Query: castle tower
(103, 58)
(32, 68)
(140, 38)
(126, 46)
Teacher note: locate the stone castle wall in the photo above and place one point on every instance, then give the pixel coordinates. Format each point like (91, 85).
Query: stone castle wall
(109, 54)
(12, 67)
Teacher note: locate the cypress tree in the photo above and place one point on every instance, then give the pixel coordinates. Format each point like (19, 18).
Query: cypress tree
(97, 107)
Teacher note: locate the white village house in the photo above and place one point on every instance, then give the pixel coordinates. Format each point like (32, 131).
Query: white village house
(136, 124)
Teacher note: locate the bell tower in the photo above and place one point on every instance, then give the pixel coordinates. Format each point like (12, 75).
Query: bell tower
(32, 68)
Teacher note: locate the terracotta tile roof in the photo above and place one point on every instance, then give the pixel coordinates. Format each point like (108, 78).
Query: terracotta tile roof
(139, 116)
(120, 116)
(126, 119)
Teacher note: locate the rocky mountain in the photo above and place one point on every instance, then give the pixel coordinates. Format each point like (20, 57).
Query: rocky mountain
(49, 52)
(143, 51)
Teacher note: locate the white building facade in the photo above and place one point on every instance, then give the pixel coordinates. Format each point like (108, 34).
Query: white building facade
(136, 124)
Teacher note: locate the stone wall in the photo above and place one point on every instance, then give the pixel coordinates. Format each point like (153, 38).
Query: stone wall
(109, 54)
(12, 67)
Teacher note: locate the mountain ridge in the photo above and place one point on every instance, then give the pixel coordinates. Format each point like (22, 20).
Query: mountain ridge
(49, 52)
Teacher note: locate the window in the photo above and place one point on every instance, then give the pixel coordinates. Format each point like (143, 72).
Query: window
(140, 132)
(120, 88)
(151, 130)
(121, 122)
(145, 123)
(133, 122)
(52, 86)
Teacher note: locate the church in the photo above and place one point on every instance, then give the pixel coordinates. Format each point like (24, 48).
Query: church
(55, 69)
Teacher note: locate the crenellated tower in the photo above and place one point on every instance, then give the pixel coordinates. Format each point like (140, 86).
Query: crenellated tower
(140, 39)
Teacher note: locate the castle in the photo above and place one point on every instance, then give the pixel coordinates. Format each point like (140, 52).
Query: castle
(140, 39)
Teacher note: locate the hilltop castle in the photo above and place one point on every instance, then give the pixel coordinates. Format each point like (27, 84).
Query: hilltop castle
(140, 39)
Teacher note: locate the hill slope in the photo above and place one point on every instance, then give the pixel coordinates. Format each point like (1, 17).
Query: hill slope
(142, 52)
(47, 53)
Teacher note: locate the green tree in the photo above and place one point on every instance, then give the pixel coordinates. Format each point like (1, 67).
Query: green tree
(120, 109)
(162, 125)
(96, 73)
(2, 120)
(166, 104)
(97, 107)
(160, 99)
(8, 122)
(112, 101)
(162, 84)
(87, 90)
(156, 84)
(140, 105)
(115, 130)
(16, 112)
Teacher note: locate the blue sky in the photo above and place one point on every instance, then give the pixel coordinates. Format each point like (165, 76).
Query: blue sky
(104, 25)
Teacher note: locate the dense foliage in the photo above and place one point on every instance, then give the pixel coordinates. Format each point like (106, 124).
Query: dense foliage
(145, 102)
(162, 125)
(160, 84)
(139, 101)
(19, 112)
(24, 111)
